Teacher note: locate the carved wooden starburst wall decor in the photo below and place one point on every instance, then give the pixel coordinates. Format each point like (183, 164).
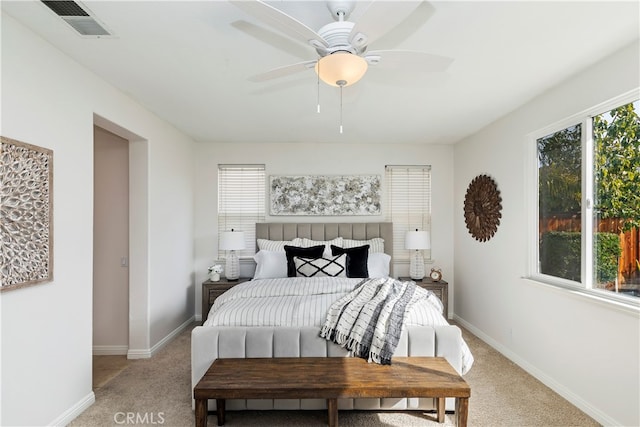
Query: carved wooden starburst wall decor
(482, 206)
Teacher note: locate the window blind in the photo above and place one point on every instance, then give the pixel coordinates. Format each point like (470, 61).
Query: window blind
(241, 201)
(409, 204)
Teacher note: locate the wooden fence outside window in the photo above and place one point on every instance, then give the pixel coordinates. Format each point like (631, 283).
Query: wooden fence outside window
(629, 240)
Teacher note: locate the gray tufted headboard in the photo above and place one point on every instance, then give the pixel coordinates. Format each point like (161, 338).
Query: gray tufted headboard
(328, 231)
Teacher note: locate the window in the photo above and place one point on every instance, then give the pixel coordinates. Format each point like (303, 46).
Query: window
(241, 201)
(588, 204)
(409, 204)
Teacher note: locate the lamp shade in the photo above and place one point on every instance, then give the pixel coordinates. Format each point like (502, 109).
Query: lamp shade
(417, 240)
(231, 240)
(341, 68)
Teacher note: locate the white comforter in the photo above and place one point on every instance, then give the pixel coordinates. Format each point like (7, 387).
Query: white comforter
(301, 301)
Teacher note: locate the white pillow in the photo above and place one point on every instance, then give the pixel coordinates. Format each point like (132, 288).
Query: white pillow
(307, 243)
(277, 245)
(378, 264)
(270, 265)
(376, 244)
(331, 266)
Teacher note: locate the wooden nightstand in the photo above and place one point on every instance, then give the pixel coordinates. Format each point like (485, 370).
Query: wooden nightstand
(212, 290)
(440, 288)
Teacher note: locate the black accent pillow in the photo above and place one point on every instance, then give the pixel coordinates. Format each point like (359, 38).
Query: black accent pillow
(356, 259)
(293, 251)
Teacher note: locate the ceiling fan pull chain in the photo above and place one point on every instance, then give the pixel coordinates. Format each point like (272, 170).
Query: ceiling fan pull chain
(318, 73)
(341, 108)
(341, 83)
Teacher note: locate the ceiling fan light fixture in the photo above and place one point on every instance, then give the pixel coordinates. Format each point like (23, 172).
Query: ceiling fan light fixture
(342, 67)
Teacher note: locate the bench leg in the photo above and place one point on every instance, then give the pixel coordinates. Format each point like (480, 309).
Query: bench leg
(201, 412)
(440, 409)
(462, 411)
(220, 403)
(332, 405)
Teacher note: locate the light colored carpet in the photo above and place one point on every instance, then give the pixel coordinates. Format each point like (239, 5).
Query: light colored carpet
(106, 368)
(157, 391)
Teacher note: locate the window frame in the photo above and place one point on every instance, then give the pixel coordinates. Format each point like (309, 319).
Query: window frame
(585, 119)
(401, 255)
(249, 234)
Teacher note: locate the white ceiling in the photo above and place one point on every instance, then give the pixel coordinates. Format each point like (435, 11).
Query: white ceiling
(189, 63)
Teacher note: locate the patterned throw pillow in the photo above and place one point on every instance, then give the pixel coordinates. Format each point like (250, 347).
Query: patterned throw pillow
(277, 245)
(320, 267)
(376, 244)
(327, 243)
(294, 251)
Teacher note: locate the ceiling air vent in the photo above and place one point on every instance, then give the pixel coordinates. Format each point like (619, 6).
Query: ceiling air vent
(78, 17)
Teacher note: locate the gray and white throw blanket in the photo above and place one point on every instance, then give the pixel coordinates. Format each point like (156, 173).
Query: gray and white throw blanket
(368, 321)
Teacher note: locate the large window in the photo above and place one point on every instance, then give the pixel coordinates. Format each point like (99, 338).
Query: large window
(588, 185)
(409, 204)
(241, 201)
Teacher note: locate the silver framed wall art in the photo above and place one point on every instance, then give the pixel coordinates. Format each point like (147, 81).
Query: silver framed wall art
(26, 214)
(325, 195)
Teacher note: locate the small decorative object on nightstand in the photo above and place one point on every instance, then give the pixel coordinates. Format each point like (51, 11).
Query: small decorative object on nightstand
(214, 272)
(440, 288)
(436, 274)
(212, 290)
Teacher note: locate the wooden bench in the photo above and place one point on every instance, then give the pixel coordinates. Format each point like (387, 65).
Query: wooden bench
(330, 378)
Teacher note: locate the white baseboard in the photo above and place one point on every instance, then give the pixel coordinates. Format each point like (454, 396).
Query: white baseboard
(110, 350)
(139, 354)
(147, 353)
(563, 391)
(71, 413)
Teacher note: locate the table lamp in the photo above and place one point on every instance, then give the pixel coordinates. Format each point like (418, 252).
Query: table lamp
(417, 240)
(232, 241)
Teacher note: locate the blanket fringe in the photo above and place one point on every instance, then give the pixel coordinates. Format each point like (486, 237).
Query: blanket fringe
(339, 338)
(355, 347)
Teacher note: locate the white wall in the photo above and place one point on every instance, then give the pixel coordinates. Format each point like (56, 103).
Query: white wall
(585, 350)
(50, 101)
(318, 159)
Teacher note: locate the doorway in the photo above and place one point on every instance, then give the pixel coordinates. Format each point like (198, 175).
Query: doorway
(138, 250)
(110, 255)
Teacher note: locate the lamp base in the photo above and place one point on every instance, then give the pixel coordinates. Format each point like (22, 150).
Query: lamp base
(416, 266)
(232, 266)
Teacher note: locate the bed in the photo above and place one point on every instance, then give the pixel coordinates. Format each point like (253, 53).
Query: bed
(227, 334)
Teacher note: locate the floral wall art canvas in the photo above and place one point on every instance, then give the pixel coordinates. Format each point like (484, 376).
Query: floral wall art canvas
(26, 214)
(325, 195)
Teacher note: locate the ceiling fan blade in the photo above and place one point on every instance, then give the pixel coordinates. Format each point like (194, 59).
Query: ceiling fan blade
(283, 71)
(272, 37)
(282, 22)
(378, 19)
(408, 59)
(400, 33)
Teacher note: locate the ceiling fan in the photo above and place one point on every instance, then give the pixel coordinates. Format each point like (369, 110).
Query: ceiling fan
(342, 45)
